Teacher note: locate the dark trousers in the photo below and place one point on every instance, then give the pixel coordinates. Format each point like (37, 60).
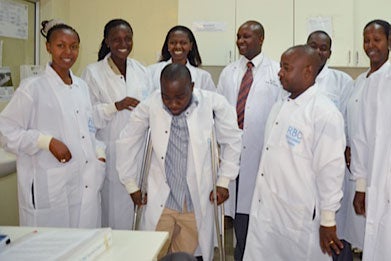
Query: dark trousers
(346, 253)
(241, 227)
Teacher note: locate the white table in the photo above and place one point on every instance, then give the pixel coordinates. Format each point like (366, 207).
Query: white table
(127, 245)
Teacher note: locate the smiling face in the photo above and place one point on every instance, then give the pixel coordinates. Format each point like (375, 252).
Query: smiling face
(376, 45)
(249, 40)
(120, 42)
(63, 45)
(179, 46)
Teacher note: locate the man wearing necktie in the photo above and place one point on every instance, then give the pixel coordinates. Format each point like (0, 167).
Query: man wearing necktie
(251, 85)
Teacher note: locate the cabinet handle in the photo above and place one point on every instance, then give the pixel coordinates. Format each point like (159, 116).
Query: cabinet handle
(349, 57)
(356, 57)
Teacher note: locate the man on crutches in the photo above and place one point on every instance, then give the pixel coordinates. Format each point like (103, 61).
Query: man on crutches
(180, 181)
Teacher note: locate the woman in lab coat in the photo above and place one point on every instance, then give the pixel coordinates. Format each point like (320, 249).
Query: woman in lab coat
(48, 124)
(180, 46)
(207, 110)
(370, 163)
(117, 84)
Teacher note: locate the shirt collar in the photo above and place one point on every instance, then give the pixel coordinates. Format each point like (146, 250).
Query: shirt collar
(112, 65)
(257, 60)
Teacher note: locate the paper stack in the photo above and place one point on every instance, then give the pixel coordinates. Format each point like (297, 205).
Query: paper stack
(59, 244)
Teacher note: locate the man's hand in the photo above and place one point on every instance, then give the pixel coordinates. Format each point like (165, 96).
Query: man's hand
(222, 195)
(347, 157)
(138, 198)
(59, 150)
(127, 103)
(359, 203)
(329, 241)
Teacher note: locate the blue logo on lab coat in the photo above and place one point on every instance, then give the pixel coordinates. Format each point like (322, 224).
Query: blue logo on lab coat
(293, 136)
(91, 125)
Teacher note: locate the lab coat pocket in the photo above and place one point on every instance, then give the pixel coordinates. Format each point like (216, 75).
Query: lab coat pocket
(63, 182)
(100, 173)
(382, 248)
(287, 224)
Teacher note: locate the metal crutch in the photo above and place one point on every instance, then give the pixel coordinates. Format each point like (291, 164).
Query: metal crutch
(146, 163)
(215, 166)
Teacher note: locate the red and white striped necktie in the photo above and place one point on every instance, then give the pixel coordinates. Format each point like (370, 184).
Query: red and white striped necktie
(245, 86)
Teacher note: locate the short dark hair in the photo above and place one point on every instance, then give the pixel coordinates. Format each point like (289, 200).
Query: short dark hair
(320, 32)
(175, 71)
(384, 24)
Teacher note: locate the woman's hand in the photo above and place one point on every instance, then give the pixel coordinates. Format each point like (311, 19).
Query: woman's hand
(126, 103)
(59, 150)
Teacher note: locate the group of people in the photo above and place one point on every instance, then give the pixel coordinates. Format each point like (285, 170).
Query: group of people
(299, 143)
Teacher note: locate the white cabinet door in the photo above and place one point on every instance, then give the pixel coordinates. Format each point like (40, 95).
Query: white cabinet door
(213, 24)
(276, 16)
(366, 11)
(335, 14)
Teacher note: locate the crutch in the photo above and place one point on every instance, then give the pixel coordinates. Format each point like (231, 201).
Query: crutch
(215, 166)
(143, 179)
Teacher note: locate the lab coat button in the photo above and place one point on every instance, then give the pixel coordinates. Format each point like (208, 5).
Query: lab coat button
(267, 148)
(244, 147)
(82, 137)
(86, 186)
(162, 157)
(77, 111)
(262, 174)
(161, 206)
(166, 132)
(86, 161)
(276, 122)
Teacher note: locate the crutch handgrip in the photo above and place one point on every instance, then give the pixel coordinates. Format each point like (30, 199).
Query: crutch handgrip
(215, 166)
(143, 179)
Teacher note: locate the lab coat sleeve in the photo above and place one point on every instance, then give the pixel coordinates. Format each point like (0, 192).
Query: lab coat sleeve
(102, 112)
(16, 135)
(360, 151)
(130, 147)
(222, 84)
(209, 84)
(229, 137)
(329, 164)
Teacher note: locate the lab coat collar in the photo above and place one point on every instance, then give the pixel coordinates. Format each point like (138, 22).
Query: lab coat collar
(323, 72)
(257, 61)
(382, 69)
(49, 70)
(305, 96)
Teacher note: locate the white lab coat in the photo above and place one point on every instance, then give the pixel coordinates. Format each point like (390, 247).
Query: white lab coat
(212, 110)
(300, 176)
(51, 193)
(201, 78)
(371, 161)
(106, 88)
(264, 92)
(336, 85)
(354, 227)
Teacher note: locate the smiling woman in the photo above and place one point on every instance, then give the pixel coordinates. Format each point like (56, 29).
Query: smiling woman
(180, 46)
(53, 136)
(117, 84)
